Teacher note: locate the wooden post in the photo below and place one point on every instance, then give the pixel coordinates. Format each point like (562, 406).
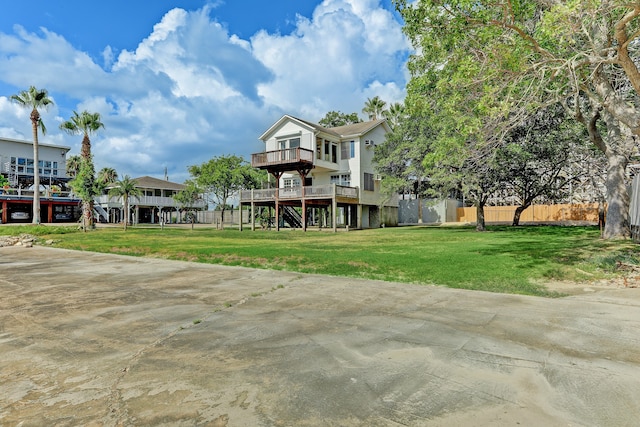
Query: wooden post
(277, 209)
(50, 212)
(253, 213)
(334, 210)
(304, 212)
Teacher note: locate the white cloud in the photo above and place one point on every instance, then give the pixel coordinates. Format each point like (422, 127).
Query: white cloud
(330, 60)
(191, 90)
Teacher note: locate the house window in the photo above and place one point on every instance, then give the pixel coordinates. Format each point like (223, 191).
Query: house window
(342, 179)
(292, 182)
(284, 144)
(347, 150)
(334, 153)
(368, 182)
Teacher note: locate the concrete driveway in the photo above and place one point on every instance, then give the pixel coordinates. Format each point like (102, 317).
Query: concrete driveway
(106, 340)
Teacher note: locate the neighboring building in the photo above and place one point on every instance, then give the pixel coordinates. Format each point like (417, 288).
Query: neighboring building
(325, 176)
(17, 165)
(154, 205)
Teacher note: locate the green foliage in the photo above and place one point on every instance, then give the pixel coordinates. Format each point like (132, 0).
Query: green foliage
(84, 185)
(3, 181)
(85, 123)
(224, 176)
(73, 165)
(105, 177)
(335, 118)
(400, 157)
(374, 107)
(125, 189)
(37, 230)
(188, 195)
(479, 65)
(34, 99)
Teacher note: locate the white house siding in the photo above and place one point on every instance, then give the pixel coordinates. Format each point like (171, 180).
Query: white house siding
(292, 130)
(24, 149)
(368, 207)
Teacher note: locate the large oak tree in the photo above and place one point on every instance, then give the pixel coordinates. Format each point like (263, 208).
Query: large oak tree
(540, 51)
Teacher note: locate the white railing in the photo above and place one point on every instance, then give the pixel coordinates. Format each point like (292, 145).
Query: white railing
(146, 201)
(44, 194)
(310, 192)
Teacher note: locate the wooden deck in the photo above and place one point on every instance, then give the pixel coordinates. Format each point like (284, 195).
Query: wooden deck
(283, 160)
(347, 194)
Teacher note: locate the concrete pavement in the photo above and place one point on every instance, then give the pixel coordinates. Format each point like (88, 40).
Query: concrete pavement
(107, 340)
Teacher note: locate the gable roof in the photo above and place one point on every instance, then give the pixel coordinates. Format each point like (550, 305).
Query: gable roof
(283, 119)
(352, 130)
(150, 182)
(357, 129)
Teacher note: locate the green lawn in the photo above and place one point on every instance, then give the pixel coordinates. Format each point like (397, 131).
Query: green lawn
(504, 259)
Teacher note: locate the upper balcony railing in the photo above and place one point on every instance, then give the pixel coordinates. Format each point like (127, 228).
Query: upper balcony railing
(20, 193)
(289, 156)
(146, 201)
(291, 193)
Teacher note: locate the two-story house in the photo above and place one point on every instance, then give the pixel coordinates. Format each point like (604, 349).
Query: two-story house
(325, 176)
(17, 166)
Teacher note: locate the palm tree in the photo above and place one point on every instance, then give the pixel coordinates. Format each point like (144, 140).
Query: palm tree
(106, 176)
(125, 188)
(35, 99)
(73, 165)
(394, 114)
(374, 107)
(85, 123)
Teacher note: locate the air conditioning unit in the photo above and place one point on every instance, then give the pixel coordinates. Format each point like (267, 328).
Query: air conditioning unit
(369, 143)
(377, 177)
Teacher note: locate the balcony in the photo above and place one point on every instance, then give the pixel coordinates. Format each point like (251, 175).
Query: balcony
(23, 194)
(157, 201)
(298, 193)
(283, 160)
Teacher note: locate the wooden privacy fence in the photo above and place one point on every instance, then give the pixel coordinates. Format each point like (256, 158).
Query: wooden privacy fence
(587, 212)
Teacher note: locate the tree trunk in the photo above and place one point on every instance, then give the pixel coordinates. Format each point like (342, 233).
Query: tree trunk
(617, 220)
(35, 119)
(518, 213)
(480, 224)
(619, 146)
(126, 212)
(87, 214)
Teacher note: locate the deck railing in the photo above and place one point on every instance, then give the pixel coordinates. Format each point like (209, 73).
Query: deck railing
(282, 157)
(28, 194)
(309, 192)
(146, 201)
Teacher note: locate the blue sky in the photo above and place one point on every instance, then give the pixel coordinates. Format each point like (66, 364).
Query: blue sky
(179, 82)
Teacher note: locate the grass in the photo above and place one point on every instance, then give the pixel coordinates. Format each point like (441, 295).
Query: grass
(504, 259)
